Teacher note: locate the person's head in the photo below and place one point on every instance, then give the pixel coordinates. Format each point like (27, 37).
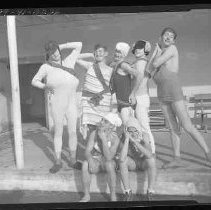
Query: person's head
(100, 52)
(134, 128)
(168, 36)
(141, 48)
(121, 51)
(52, 51)
(110, 121)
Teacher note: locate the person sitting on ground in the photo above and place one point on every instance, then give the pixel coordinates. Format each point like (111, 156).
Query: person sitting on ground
(136, 154)
(100, 154)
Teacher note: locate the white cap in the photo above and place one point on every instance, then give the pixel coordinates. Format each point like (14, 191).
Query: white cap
(114, 119)
(123, 47)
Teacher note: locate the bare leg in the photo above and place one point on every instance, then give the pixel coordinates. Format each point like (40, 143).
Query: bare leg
(181, 112)
(142, 109)
(110, 169)
(174, 132)
(151, 172)
(128, 164)
(71, 117)
(58, 116)
(125, 114)
(88, 168)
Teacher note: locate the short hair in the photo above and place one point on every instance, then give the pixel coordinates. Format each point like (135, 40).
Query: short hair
(169, 29)
(97, 46)
(50, 48)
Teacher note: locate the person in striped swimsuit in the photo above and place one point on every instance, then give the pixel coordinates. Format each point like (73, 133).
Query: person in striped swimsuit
(96, 96)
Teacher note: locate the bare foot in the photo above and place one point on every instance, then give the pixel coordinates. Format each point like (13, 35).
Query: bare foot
(86, 198)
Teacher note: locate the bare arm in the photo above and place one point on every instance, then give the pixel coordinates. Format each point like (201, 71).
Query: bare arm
(140, 66)
(109, 153)
(129, 69)
(39, 76)
(145, 150)
(90, 145)
(86, 55)
(85, 64)
(71, 45)
(70, 60)
(124, 150)
(169, 53)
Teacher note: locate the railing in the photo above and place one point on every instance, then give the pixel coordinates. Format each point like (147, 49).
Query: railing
(201, 108)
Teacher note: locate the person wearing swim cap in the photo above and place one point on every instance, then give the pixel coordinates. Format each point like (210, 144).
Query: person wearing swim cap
(121, 81)
(100, 154)
(140, 92)
(61, 83)
(136, 154)
(164, 66)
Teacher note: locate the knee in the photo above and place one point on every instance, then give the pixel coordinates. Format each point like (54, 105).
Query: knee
(175, 130)
(85, 165)
(151, 164)
(122, 164)
(110, 165)
(188, 127)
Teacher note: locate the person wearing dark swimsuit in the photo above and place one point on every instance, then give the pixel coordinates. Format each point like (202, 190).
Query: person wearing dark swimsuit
(121, 81)
(165, 65)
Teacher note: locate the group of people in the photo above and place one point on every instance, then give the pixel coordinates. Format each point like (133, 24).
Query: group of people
(114, 95)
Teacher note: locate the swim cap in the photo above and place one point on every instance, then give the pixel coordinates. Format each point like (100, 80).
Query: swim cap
(114, 119)
(123, 48)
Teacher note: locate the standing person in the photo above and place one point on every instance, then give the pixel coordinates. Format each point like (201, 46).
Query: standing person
(136, 154)
(121, 82)
(164, 67)
(62, 83)
(96, 96)
(140, 92)
(100, 154)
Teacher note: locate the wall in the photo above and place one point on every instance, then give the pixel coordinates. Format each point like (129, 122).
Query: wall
(5, 99)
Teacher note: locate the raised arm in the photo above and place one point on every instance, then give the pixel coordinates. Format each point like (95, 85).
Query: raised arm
(85, 64)
(39, 76)
(128, 69)
(169, 53)
(71, 45)
(70, 60)
(86, 55)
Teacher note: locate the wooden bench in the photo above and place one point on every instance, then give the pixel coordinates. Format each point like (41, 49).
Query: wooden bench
(155, 113)
(202, 107)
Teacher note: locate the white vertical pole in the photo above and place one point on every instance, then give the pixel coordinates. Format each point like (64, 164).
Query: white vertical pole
(12, 43)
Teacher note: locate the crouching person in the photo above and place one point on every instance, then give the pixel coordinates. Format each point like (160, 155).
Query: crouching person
(100, 154)
(136, 154)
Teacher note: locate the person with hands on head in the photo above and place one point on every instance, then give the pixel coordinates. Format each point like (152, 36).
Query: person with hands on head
(136, 154)
(164, 67)
(61, 83)
(96, 96)
(101, 154)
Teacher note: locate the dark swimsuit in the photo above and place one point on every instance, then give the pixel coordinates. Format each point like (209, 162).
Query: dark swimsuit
(122, 86)
(168, 86)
